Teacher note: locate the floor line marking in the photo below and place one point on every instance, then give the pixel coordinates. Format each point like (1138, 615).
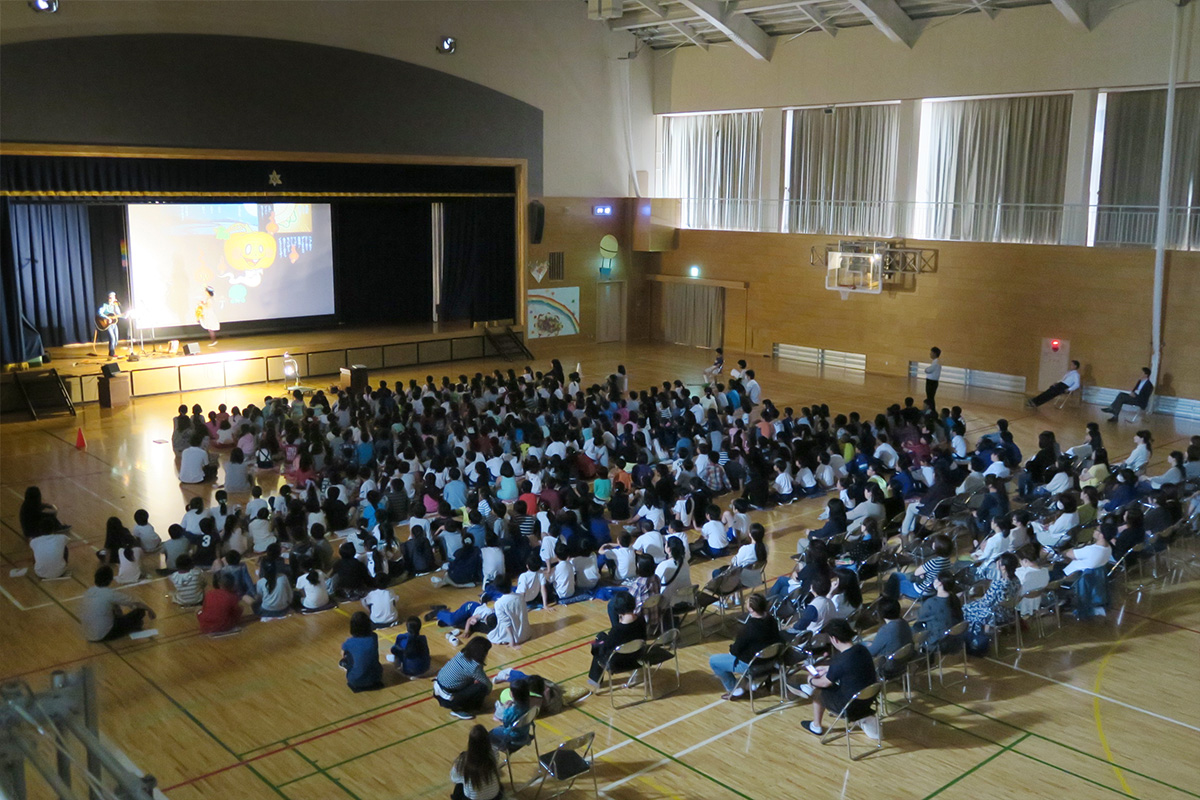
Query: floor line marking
(1005, 749)
(663, 727)
(293, 745)
(1096, 695)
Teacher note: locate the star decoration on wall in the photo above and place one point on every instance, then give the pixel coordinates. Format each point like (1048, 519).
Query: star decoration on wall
(274, 178)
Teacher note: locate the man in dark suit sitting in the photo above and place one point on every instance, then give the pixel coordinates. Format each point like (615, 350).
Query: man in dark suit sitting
(1140, 396)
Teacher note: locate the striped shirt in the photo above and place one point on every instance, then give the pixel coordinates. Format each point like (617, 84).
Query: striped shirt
(459, 673)
(933, 568)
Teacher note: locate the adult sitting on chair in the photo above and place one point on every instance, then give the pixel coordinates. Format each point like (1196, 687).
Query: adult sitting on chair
(761, 630)
(894, 632)
(1140, 396)
(851, 670)
(1069, 383)
(629, 626)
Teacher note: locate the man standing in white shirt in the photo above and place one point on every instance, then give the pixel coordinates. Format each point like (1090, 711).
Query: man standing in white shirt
(933, 374)
(753, 390)
(1069, 383)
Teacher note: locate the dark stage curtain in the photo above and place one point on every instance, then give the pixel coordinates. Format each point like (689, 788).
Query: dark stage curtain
(479, 259)
(19, 340)
(383, 261)
(109, 267)
(52, 266)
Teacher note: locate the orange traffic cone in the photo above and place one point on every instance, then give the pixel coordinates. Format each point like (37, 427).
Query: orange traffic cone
(80, 442)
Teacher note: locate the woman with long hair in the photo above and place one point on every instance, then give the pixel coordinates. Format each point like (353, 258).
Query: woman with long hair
(38, 517)
(475, 773)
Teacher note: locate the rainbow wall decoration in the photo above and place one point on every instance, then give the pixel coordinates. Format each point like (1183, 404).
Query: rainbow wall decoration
(551, 312)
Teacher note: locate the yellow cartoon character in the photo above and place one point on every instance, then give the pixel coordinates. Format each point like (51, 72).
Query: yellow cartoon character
(249, 252)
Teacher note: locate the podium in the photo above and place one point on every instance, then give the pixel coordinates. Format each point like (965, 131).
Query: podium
(354, 378)
(115, 391)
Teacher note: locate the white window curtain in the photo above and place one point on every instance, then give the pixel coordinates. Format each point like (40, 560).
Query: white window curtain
(993, 170)
(693, 314)
(1131, 163)
(842, 177)
(712, 163)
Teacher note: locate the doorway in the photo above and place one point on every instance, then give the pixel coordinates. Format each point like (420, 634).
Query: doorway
(610, 311)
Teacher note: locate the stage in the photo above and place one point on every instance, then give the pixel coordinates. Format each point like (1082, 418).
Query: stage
(239, 360)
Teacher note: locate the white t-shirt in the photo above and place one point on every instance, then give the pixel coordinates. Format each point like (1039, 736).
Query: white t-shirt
(675, 583)
(382, 605)
(529, 586)
(653, 544)
(261, 534)
(587, 573)
(129, 569)
(626, 562)
(783, 483)
(512, 621)
(1091, 556)
(191, 465)
(315, 594)
(493, 563)
(563, 578)
(49, 559)
(151, 541)
(546, 551)
(714, 534)
(1032, 579)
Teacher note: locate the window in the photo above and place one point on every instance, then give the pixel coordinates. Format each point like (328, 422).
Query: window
(712, 162)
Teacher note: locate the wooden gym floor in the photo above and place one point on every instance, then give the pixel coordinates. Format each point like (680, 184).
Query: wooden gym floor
(1095, 710)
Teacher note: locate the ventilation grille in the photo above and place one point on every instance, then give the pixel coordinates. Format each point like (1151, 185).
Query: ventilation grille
(821, 358)
(557, 269)
(972, 377)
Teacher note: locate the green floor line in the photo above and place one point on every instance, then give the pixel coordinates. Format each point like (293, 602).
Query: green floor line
(977, 767)
(1064, 745)
(323, 773)
(1076, 775)
(365, 712)
(664, 754)
(410, 737)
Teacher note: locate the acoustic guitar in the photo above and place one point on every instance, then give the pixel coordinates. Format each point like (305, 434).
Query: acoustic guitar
(104, 322)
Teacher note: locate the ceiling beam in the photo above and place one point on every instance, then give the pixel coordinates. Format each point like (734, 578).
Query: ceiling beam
(888, 17)
(982, 5)
(654, 8)
(690, 33)
(818, 18)
(740, 29)
(1076, 12)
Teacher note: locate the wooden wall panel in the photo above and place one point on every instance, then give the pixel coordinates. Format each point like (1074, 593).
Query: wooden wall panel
(370, 357)
(399, 355)
(251, 370)
(275, 366)
(573, 230)
(154, 381)
(327, 362)
(988, 306)
(201, 376)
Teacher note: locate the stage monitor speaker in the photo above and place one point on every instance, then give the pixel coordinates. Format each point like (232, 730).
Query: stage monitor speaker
(537, 221)
(192, 349)
(110, 370)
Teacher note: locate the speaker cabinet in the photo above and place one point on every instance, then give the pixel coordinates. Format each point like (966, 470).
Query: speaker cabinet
(110, 370)
(192, 349)
(537, 221)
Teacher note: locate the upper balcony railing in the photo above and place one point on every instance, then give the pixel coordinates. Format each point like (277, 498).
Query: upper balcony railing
(1101, 226)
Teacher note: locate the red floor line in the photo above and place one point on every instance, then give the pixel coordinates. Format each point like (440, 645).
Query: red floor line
(340, 728)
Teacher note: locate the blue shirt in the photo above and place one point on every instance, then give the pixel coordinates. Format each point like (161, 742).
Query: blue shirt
(363, 670)
(455, 493)
(418, 662)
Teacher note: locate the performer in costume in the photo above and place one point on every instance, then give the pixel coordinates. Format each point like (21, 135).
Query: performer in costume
(110, 311)
(206, 315)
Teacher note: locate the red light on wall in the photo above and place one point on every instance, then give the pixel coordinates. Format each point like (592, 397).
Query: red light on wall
(1055, 344)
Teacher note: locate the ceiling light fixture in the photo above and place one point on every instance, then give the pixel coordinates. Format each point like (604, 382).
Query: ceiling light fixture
(446, 45)
(48, 6)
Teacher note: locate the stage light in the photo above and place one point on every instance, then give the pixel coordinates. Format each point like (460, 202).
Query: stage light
(446, 45)
(694, 272)
(602, 211)
(49, 6)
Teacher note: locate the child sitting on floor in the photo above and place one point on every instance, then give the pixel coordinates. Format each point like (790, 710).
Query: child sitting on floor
(189, 582)
(411, 650)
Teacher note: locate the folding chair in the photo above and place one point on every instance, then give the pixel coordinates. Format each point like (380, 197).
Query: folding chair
(717, 591)
(922, 653)
(1010, 604)
(852, 716)
(632, 648)
(766, 665)
(682, 608)
(527, 720)
(891, 668)
(1061, 401)
(567, 763)
(958, 632)
(662, 650)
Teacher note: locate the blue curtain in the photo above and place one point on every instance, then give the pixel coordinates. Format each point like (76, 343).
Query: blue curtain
(48, 275)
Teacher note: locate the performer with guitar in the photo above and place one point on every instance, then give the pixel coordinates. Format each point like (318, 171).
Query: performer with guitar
(106, 322)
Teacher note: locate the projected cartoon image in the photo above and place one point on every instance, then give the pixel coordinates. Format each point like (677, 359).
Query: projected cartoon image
(264, 261)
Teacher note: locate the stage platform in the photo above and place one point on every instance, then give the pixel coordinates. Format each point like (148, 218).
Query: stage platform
(239, 360)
